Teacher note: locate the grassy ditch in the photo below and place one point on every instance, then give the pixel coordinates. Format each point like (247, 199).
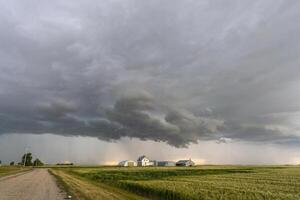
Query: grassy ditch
(86, 189)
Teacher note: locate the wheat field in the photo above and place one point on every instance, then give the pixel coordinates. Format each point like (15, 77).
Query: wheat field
(202, 182)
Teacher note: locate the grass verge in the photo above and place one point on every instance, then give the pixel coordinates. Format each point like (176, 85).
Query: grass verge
(66, 187)
(83, 188)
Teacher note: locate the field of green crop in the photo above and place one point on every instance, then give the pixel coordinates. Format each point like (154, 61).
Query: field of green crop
(203, 182)
(7, 170)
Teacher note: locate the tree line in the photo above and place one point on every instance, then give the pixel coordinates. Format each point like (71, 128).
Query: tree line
(27, 160)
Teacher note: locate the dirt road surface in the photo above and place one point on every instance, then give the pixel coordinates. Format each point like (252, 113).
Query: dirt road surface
(37, 184)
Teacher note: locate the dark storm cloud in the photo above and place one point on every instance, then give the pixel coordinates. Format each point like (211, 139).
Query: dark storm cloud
(56, 109)
(170, 71)
(143, 118)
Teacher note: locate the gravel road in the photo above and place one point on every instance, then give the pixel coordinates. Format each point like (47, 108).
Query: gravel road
(37, 184)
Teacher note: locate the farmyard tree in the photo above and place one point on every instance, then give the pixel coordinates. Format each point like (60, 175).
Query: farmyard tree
(27, 159)
(37, 162)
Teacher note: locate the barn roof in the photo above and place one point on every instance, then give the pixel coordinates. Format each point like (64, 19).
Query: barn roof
(141, 157)
(183, 161)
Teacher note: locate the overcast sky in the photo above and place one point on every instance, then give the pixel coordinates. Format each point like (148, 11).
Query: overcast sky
(95, 80)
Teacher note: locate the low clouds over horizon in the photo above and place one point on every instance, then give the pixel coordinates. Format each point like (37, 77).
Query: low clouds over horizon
(178, 72)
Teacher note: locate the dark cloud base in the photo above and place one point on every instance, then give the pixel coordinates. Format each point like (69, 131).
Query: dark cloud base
(140, 117)
(177, 71)
(130, 117)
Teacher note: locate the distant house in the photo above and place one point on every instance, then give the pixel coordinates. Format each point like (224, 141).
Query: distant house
(127, 163)
(166, 163)
(187, 163)
(144, 161)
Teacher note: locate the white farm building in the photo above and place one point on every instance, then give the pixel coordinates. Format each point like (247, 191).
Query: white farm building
(127, 163)
(144, 161)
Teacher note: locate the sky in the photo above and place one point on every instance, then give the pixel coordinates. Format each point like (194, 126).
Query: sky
(96, 82)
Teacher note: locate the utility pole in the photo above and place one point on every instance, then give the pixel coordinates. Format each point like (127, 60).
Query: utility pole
(25, 159)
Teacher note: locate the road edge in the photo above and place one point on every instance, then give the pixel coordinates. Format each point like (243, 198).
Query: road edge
(64, 186)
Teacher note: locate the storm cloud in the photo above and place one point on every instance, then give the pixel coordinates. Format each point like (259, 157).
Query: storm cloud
(172, 71)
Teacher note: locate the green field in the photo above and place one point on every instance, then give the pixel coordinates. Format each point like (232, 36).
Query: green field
(8, 170)
(203, 182)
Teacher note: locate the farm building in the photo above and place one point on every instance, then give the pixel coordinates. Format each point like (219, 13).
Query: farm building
(127, 163)
(154, 162)
(144, 161)
(166, 163)
(187, 163)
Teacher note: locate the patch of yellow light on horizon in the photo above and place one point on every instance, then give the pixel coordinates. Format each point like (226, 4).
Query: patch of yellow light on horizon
(199, 161)
(295, 160)
(110, 162)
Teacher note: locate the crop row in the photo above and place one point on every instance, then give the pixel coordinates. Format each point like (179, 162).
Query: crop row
(202, 184)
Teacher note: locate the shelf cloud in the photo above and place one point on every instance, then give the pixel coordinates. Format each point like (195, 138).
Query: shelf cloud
(174, 71)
